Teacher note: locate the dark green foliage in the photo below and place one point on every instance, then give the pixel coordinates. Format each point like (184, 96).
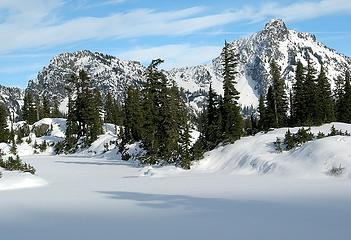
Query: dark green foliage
(45, 110)
(298, 102)
(133, 121)
(231, 119)
(289, 140)
(344, 103)
(4, 131)
(15, 164)
(324, 104)
(113, 111)
(43, 146)
(158, 118)
(310, 94)
(83, 121)
(29, 109)
(212, 126)
(280, 103)
(270, 119)
(336, 171)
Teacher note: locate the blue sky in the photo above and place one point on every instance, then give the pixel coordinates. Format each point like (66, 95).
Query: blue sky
(183, 32)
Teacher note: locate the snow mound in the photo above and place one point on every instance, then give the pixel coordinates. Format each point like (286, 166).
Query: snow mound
(17, 180)
(257, 155)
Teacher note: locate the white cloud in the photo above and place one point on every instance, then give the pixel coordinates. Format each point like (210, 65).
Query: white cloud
(34, 24)
(175, 55)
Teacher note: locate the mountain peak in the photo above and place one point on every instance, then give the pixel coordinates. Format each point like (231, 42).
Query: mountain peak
(276, 24)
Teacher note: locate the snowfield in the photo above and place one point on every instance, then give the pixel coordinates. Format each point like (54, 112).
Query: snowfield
(242, 191)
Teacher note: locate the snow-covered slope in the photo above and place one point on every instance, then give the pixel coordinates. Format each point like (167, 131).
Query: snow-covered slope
(12, 97)
(275, 41)
(257, 155)
(108, 73)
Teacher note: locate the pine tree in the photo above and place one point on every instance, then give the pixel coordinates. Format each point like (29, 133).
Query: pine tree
(310, 94)
(270, 110)
(338, 95)
(109, 109)
(29, 109)
(133, 116)
(324, 103)
(4, 131)
(213, 128)
(46, 108)
(345, 103)
(231, 120)
(279, 97)
(298, 114)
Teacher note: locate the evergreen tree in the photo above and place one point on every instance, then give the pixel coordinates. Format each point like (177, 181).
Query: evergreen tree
(324, 103)
(231, 118)
(213, 127)
(29, 109)
(270, 111)
(280, 103)
(338, 95)
(4, 131)
(109, 108)
(298, 111)
(345, 102)
(46, 108)
(133, 116)
(310, 94)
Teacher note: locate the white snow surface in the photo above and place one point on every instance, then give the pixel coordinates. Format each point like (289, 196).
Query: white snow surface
(241, 191)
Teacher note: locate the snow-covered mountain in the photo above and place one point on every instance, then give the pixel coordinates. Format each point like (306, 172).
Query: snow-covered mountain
(275, 41)
(11, 97)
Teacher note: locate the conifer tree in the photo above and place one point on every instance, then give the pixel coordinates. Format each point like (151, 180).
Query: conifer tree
(133, 116)
(29, 109)
(213, 126)
(280, 103)
(4, 131)
(345, 102)
(109, 108)
(298, 113)
(270, 110)
(231, 119)
(324, 103)
(310, 94)
(46, 108)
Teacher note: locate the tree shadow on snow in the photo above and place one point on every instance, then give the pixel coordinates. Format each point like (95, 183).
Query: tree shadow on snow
(100, 163)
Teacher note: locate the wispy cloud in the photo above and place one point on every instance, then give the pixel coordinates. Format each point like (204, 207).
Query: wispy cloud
(175, 55)
(34, 24)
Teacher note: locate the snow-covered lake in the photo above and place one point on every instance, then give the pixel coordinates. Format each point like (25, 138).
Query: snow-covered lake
(93, 198)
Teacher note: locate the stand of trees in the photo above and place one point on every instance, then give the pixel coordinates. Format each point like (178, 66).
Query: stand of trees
(221, 121)
(312, 102)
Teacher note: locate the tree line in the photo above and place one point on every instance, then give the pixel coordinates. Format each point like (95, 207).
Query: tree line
(155, 114)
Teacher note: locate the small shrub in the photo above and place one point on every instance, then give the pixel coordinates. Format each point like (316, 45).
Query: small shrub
(336, 171)
(16, 164)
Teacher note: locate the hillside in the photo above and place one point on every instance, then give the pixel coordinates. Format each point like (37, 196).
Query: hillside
(275, 41)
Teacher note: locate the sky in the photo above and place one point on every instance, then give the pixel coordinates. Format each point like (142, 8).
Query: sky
(182, 32)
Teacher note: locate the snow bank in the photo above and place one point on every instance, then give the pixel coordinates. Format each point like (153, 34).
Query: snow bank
(257, 155)
(17, 180)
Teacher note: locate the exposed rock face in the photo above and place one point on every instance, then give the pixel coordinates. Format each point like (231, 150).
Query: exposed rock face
(274, 42)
